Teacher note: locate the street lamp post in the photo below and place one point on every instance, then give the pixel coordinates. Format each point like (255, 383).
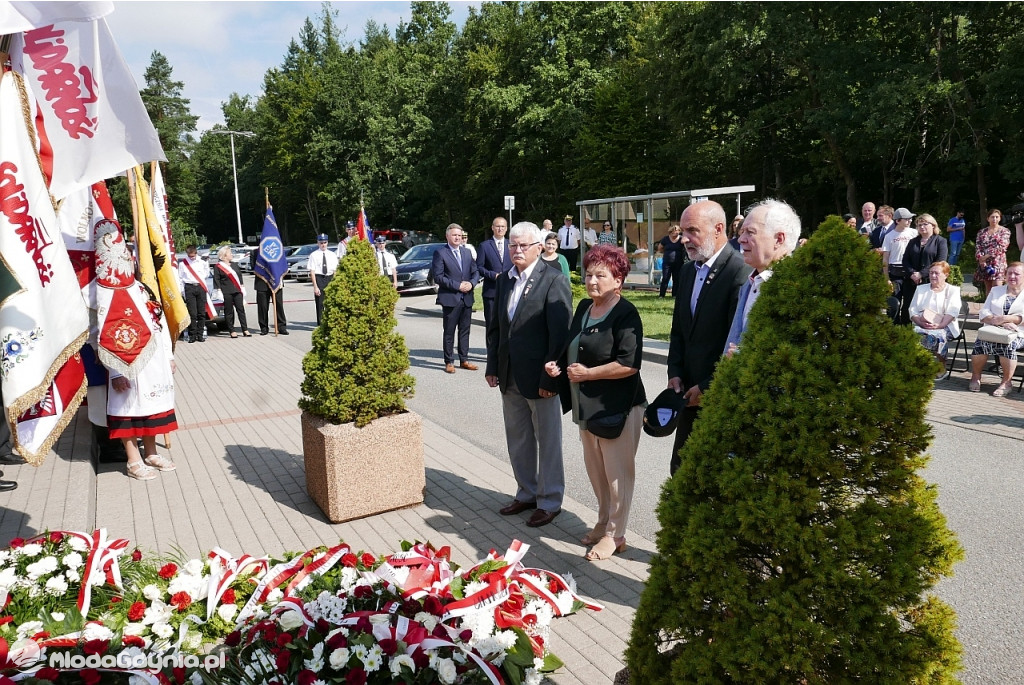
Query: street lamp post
(234, 174)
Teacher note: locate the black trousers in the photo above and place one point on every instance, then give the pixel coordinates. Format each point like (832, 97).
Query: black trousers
(234, 303)
(686, 419)
(195, 302)
(321, 284)
(670, 272)
(488, 311)
(263, 309)
(460, 317)
(571, 256)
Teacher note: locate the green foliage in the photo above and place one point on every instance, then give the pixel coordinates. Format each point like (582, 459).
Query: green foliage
(356, 370)
(797, 540)
(956, 277)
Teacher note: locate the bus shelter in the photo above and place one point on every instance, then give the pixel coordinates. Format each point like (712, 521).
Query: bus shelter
(639, 222)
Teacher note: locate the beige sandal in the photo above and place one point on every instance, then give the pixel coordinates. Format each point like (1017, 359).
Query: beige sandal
(1002, 389)
(606, 548)
(592, 538)
(160, 462)
(140, 471)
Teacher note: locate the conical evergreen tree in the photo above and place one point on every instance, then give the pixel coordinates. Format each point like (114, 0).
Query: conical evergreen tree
(797, 539)
(356, 370)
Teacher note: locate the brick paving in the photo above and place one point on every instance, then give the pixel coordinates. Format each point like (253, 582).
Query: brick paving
(240, 485)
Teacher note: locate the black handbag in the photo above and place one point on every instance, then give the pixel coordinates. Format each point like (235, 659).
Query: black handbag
(608, 426)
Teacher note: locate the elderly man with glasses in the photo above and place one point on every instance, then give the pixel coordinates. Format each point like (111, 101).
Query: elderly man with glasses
(529, 328)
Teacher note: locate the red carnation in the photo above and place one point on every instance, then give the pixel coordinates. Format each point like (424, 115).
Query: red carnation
(56, 537)
(283, 639)
(133, 641)
(47, 673)
(167, 571)
(229, 596)
(388, 646)
(368, 559)
(349, 560)
(421, 659)
(17, 542)
(89, 676)
(356, 676)
(306, 677)
(137, 555)
(137, 611)
(433, 606)
(95, 647)
(233, 638)
(362, 591)
(181, 600)
(282, 659)
(466, 635)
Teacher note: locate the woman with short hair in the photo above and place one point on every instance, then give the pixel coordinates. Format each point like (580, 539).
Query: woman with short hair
(228, 278)
(605, 393)
(934, 311)
(1004, 308)
(551, 254)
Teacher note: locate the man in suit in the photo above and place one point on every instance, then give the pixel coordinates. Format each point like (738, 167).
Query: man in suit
(709, 286)
(770, 232)
(493, 260)
(884, 225)
(530, 327)
(866, 222)
(455, 275)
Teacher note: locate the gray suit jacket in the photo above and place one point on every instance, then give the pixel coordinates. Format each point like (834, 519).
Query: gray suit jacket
(517, 349)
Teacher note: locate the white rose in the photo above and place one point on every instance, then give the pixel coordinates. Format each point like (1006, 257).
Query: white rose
(152, 593)
(163, 630)
(446, 671)
(194, 567)
(339, 658)
(290, 620)
(428, 621)
(400, 660)
(227, 612)
(73, 560)
(275, 596)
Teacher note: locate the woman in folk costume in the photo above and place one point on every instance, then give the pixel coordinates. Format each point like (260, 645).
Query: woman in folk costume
(133, 342)
(228, 277)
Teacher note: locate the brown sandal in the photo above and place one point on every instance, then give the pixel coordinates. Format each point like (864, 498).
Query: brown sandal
(606, 548)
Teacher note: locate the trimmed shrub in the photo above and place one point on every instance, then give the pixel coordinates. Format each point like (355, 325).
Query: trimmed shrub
(356, 370)
(797, 540)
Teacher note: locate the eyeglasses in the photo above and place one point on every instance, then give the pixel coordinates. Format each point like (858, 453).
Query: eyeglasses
(512, 247)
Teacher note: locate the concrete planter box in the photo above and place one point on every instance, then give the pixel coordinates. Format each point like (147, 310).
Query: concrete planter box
(355, 472)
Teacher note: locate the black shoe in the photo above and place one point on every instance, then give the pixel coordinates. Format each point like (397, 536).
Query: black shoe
(284, 332)
(11, 459)
(6, 485)
(192, 341)
(264, 332)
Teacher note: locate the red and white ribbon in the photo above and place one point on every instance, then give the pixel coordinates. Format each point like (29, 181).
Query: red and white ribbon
(224, 570)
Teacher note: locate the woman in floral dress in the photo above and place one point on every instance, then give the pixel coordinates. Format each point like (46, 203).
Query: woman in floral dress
(990, 251)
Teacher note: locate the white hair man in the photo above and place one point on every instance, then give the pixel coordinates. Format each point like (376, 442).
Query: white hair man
(528, 329)
(770, 232)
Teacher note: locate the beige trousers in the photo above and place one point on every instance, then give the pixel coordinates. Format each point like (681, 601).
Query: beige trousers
(611, 466)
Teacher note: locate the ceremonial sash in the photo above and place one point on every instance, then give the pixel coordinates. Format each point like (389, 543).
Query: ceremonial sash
(230, 273)
(210, 312)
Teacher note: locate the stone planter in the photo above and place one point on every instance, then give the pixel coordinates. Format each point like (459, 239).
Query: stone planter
(355, 472)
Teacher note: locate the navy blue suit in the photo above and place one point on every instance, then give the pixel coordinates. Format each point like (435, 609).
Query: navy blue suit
(457, 307)
(491, 265)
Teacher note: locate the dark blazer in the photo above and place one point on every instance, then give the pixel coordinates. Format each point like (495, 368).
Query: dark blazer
(519, 349)
(222, 281)
(619, 337)
(875, 237)
(491, 265)
(448, 275)
(917, 259)
(696, 342)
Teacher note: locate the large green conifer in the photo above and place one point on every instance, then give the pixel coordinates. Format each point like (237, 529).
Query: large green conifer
(797, 540)
(356, 370)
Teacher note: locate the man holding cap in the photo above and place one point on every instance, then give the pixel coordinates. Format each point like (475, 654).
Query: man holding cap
(569, 242)
(386, 261)
(322, 264)
(893, 247)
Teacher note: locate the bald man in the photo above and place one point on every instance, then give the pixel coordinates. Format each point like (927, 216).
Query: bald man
(709, 287)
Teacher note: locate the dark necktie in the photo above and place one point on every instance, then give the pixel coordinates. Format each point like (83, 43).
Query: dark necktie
(323, 263)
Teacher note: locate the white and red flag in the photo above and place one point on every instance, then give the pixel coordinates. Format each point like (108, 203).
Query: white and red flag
(158, 195)
(90, 118)
(43, 318)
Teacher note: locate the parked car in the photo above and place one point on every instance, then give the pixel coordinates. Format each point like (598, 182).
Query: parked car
(298, 261)
(414, 268)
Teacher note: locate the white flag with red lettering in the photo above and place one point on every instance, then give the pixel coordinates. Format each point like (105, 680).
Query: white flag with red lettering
(91, 118)
(43, 317)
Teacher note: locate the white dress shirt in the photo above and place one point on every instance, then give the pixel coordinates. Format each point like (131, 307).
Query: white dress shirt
(518, 290)
(317, 259)
(201, 268)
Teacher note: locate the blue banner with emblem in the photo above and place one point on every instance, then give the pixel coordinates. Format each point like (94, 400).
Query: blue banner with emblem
(271, 261)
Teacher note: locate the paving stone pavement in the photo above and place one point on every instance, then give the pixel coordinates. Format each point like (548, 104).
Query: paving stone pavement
(240, 485)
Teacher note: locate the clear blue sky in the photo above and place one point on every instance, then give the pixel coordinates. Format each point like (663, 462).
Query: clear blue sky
(217, 48)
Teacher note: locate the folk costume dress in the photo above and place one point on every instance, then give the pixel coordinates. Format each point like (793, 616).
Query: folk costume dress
(147, 407)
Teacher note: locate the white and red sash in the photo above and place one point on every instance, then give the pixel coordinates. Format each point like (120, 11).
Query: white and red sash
(210, 312)
(230, 273)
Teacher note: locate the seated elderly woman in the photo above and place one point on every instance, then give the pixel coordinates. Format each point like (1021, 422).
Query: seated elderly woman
(606, 394)
(1003, 309)
(934, 310)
